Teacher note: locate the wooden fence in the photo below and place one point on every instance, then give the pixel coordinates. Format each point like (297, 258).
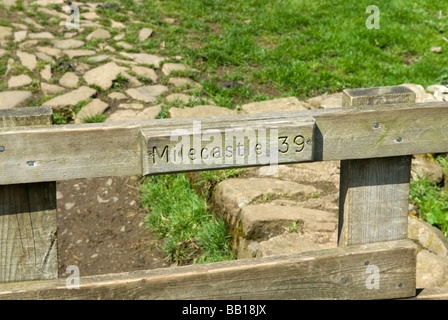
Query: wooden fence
(374, 135)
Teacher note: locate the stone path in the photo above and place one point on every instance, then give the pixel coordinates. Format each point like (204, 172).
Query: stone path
(293, 209)
(58, 67)
(60, 64)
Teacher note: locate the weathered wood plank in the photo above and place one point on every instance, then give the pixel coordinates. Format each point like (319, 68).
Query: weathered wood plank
(435, 293)
(383, 132)
(113, 149)
(27, 216)
(373, 201)
(22, 117)
(374, 193)
(371, 271)
(368, 97)
(195, 148)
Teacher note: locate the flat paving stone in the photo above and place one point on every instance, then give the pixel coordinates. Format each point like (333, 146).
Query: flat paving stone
(95, 107)
(147, 93)
(19, 81)
(78, 53)
(28, 60)
(13, 99)
(41, 35)
(68, 44)
(144, 58)
(199, 111)
(145, 72)
(19, 36)
(50, 89)
(170, 67)
(103, 76)
(71, 98)
(99, 33)
(69, 80)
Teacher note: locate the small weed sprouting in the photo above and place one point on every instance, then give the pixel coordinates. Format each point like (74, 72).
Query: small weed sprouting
(431, 199)
(95, 119)
(293, 227)
(207, 180)
(120, 81)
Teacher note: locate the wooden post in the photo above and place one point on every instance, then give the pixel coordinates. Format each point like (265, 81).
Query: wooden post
(28, 246)
(374, 193)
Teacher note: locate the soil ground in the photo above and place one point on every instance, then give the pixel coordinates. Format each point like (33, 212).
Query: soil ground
(101, 227)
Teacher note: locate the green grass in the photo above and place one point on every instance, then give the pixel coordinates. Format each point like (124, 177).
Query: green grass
(431, 199)
(144, 80)
(294, 48)
(67, 115)
(301, 48)
(81, 104)
(60, 118)
(40, 17)
(291, 48)
(4, 64)
(442, 160)
(432, 203)
(19, 5)
(93, 43)
(207, 180)
(180, 217)
(95, 119)
(119, 81)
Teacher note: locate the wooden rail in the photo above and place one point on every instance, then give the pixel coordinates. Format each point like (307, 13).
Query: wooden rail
(326, 274)
(374, 135)
(114, 149)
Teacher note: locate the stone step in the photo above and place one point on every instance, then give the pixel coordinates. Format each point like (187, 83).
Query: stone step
(432, 256)
(291, 243)
(261, 222)
(312, 172)
(199, 111)
(276, 105)
(231, 195)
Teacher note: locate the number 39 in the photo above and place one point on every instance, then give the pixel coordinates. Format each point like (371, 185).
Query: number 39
(299, 141)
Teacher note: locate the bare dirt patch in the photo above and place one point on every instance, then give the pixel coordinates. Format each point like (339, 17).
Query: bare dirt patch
(101, 227)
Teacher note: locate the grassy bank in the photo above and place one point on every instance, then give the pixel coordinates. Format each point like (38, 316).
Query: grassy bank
(301, 48)
(296, 48)
(180, 216)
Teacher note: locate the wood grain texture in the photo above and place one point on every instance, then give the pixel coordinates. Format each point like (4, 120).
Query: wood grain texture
(340, 273)
(373, 201)
(114, 149)
(374, 193)
(367, 97)
(28, 245)
(28, 116)
(434, 293)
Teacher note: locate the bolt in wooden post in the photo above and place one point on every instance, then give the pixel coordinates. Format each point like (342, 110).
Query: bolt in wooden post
(28, 245)
(374, 193)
